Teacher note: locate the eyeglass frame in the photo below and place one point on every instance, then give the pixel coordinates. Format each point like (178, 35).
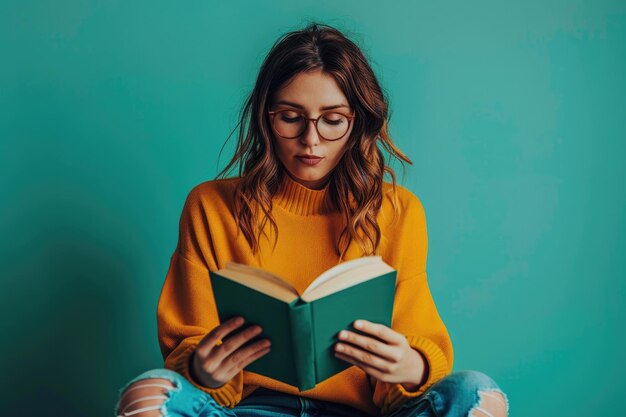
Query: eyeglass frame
(315, 121)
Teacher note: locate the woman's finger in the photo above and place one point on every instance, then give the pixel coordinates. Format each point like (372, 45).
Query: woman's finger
(209, 341)
(375, 346)
(382, 332)
(370, 370)
(362, 356)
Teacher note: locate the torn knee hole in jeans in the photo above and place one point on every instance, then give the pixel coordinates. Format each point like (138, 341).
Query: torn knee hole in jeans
(158, 406)
(494, 400)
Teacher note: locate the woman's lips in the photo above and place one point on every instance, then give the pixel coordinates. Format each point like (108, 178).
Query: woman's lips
(309, 161)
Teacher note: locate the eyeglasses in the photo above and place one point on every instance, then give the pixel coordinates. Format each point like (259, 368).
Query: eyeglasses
(330, 125)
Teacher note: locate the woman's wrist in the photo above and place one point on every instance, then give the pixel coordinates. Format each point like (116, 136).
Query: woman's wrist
(421, 372)
(195, 374)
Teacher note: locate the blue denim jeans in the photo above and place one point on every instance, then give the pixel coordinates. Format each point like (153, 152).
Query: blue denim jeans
(455, 395)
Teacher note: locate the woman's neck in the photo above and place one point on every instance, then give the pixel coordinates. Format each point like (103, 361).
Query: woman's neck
(300, 199)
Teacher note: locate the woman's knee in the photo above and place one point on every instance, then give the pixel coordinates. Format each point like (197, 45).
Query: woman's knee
(476, 392)
(490, 400)
(471, 380)
(145, 395)
(491, 403)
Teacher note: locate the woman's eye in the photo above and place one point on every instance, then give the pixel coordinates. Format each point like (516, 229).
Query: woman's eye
(290, 117)
(334, 120)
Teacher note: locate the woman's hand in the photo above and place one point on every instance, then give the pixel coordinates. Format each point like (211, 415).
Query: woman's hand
(215, 365)
(390, 359)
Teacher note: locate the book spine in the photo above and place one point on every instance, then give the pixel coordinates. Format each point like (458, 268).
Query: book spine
(303, 344)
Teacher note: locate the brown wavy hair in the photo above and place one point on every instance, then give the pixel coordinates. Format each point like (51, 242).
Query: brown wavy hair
(355, 186)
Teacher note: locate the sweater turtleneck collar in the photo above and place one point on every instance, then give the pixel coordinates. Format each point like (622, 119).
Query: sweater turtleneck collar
(301, 200)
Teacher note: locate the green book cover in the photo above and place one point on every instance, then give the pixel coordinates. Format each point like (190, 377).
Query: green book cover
(303, 328)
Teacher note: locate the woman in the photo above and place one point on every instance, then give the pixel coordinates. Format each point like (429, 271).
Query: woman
(310, 194)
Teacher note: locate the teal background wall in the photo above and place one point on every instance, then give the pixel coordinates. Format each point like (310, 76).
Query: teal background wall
(512, 112)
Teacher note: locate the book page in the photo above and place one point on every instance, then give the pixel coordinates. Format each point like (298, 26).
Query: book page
(340, 269)
(348, 276)
(259, 280)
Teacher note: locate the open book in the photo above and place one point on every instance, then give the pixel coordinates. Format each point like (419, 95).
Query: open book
(303, 328)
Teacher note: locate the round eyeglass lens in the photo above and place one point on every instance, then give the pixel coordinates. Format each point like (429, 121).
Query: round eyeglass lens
(330, 126)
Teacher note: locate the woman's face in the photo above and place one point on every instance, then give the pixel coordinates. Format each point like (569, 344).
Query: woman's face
(310, 93)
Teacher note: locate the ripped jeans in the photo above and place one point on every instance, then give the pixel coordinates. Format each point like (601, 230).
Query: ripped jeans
(455, 395)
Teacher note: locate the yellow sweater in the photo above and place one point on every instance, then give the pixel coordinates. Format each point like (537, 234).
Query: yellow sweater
(307, 231)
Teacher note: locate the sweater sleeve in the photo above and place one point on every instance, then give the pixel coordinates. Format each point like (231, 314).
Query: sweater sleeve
(415, 314)
(186, 309)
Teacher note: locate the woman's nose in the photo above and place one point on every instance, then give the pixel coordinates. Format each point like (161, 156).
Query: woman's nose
(310, 135)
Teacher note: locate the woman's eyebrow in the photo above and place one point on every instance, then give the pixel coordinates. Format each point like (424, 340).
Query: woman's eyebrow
(299, 106)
